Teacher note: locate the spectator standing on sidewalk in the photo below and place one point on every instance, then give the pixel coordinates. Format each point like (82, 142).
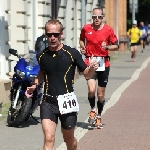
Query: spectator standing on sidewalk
(57, 68)
(96, 39)
(40, 43)
(143, 39)
(134, 34)
(1, 103)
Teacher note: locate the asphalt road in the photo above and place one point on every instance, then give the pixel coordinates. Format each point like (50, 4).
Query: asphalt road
(29, 136)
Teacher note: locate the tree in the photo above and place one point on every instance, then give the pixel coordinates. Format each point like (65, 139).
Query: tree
(143, 13)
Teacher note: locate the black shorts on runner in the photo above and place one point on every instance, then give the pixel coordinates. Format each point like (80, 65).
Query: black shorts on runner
(134, 44)
(102, 77)
(51, 111)
(144, 39)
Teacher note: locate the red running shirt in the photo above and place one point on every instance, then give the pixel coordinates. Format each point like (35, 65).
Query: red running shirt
(94, 38)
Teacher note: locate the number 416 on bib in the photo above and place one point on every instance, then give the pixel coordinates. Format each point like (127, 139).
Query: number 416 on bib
(68, 103)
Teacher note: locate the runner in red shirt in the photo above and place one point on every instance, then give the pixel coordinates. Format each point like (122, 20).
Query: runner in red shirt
(99, 38)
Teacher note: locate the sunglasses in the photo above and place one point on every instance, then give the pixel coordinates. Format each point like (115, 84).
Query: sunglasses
(97, 16)
(54, 34)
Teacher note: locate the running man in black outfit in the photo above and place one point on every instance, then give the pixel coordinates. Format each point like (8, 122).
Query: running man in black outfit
(57, 69)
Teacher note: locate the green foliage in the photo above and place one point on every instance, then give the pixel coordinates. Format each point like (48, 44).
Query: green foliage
(143, 13)
(5, 108)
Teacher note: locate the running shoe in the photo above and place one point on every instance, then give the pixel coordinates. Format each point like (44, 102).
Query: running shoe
(92, 117)
(133, 60)
(98, 124)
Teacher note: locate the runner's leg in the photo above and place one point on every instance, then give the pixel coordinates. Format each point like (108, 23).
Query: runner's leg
(91, 92)
(68, 123)
(49, 128)
(101, 99)
(149, 39)
(144, 43)
(141, 43)
(132, 51)
(102, 83)
(49, 122)
(69, 139)
(135, 52)
(91, 97)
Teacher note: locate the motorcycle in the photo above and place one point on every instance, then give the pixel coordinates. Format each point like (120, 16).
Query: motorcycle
(24, 74)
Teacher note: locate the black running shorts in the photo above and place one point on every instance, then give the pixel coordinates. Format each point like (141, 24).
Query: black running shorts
(144, 39)
(102, 77)
(50, 111)
(134, 44)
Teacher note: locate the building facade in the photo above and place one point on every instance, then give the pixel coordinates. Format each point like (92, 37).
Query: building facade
(22, 21)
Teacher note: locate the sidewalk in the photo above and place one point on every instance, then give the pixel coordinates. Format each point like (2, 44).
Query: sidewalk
(127, 123)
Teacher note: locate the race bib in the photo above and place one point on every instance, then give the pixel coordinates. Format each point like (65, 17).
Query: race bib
(101, 63)
(68, 103)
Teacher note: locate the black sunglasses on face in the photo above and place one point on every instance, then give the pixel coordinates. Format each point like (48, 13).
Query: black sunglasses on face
(54, 34)
(97, 17)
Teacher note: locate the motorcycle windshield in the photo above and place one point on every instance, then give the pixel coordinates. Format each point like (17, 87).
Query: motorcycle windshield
(33, 66)
(33, 60)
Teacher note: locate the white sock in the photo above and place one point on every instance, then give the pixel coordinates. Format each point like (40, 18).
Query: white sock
(93, 109)
(99, 116)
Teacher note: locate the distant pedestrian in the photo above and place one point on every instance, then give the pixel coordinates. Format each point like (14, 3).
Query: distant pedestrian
(148, 32)
(143, 39)
(41, 43)
(134, 34)
(1, 103)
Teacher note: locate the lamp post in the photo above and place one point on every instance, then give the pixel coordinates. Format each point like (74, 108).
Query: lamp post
(82, 13)
(133, 10)
(54, 9)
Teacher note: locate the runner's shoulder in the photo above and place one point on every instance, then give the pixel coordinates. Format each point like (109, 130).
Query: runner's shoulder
(87, 26)
(107, 27)
(41, 52)
(71, 50)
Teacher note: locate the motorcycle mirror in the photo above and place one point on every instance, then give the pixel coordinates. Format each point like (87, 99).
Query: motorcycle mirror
(13, 52)
(31, 51)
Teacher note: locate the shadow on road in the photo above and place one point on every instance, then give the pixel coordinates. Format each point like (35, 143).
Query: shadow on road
(85, 125)
(28, 123)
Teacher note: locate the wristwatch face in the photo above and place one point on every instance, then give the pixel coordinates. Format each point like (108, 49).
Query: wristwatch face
(107, 47)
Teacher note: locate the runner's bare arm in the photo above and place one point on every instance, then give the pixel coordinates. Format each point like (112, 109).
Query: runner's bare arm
(39, 78)
(89, 71)
(113, 47)
(82, 43)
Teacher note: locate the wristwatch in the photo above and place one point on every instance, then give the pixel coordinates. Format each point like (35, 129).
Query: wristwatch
(107, 47)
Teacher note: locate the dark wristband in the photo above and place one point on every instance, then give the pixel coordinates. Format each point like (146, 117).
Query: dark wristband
(107, 47)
